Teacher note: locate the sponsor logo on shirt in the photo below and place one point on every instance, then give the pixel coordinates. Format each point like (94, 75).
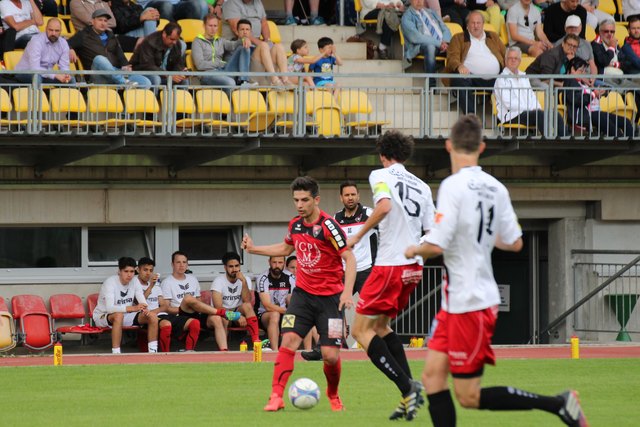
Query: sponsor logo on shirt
(124, 301)
(184, 287)
(124, 293)
(232, 290)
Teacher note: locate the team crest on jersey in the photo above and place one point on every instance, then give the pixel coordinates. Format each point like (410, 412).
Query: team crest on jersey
(317, 230)
(288, 321)
(123, 294)
(184, 287)
(308, 254)
(232, 290)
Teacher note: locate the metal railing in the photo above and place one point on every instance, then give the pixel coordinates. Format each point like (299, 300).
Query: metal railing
(423, 305)
(361, 105)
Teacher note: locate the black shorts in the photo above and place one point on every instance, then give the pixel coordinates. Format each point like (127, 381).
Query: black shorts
(177, 323)
(202, 317)
(361, 277)
(307, 310)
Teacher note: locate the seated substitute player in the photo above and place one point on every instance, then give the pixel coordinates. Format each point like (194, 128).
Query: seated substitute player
(182, 327)
(232, 293)
(320, 246)
(474, 215)
(116, 309)
(274, 288)
(183, 292)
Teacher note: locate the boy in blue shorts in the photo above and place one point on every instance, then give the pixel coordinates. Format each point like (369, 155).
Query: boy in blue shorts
(325, 64)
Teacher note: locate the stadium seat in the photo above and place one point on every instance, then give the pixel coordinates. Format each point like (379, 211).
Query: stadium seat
(8, 336)
(526, 61)
(503, 126)
(191, 28)
(251, 104)
(614, 103)
(590, 33)
(213, 105)
(329, 121)
(274, 30)
(142, 102)
(64, 101)
(315, 99)
(355, 103)
(607, 6)
(92, 302)
(188, 59)
(358, 8)
(69, 306)
(282, 104)
(35, 322)
(12, 58)
(161, 24)
(621, 33)
(105, 101)
(205, 297)
(6, 107)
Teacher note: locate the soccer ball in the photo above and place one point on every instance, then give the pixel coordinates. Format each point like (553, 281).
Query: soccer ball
(304, 393)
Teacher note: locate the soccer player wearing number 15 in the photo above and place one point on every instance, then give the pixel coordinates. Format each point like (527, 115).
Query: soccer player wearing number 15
(403, 211)
(474, 216)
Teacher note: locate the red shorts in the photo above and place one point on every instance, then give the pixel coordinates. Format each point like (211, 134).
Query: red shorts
(466, 338)
(388, 288)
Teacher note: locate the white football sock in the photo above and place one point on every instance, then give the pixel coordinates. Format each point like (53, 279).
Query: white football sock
(115, 350)
(153, 346)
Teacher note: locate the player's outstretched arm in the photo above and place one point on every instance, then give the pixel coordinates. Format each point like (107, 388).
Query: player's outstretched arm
(349, 279)
(425, 250)
(382, 208)
(514, 247)
(277, 249)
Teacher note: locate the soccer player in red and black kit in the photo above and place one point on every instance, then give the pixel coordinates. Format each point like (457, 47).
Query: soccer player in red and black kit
(320, 294)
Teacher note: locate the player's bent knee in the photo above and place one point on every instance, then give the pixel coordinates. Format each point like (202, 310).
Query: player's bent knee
(468, 399)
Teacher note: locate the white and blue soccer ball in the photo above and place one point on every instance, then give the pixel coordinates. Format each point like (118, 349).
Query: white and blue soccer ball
(304, 393)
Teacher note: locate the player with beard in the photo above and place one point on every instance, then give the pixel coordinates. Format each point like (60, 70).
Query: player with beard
(274, 288)
(232, 293)
(320, 294)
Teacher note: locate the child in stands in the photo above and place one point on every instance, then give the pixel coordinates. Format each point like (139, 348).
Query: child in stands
(329, 59)
(300, 58)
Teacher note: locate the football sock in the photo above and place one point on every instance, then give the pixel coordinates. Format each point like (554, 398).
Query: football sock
(282, 370)
(153, 346)
(441, 409)
(397, 351)
(115, 350)
(164, 338)
(332, 373)
(380, 355)
(192, 335)
(510, 398)
(252, 327)
(382, 46)
(221, 312)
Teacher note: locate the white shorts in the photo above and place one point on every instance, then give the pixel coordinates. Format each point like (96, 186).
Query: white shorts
(101, 319)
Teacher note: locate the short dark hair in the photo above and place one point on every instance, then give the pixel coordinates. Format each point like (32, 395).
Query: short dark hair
(306, 183)
(634, 18)
(289, 259)
(230, 256)
(394, 145)
(146, 261)
(466, 134)
(348, 183)
(125, 262)
(171, 27)
(176, 253)
(573, 37)
(297, 44)
(324, 41)
(244, 21)
(576, 63)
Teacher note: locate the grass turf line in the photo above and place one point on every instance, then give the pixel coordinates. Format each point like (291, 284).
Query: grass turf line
(233, 394)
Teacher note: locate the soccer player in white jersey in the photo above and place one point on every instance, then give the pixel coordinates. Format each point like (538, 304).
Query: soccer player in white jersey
(183, 292)
(403, 212)
(474, 216)
(116, 308)
(231, 292)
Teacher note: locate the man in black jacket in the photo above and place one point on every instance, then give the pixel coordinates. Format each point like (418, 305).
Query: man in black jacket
(162, 51)
(98, 49)
(133, 23)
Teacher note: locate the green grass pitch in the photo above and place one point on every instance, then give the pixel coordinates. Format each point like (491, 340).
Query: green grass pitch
(233, 394)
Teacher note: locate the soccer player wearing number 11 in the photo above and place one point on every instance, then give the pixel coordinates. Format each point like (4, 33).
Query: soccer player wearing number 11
(474, 216)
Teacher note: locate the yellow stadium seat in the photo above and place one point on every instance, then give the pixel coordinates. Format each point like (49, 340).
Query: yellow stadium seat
(282, 103)
(502, 126)
(142, 102)
(354, 103)
(190, 29)
(329, 121)
(105, 101)
(64, 101)
(275, 32)
(526, 61)
(607, 6)
(12, 58)
(358, 7)
(213, 104)
(7, 107)
(250, 103)
(161, 24)
(7, 326)
(590, 33)
(615, 104)
(621, 33)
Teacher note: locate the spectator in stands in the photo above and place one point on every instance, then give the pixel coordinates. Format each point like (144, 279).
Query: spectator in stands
(271, 55)
(555, 60)
(297, 61)
(490, 11)
(583, 105)
(82, 13)
(631, 48)
(291, 266)
(208, 51)
(584, 51)
(43, 51)
(524, 23)
(274, 288)
(424, 33)
(630, 8)
(325, 64)
(231, 292)
(314, 19)
(555, 17)
(594, 15)
(174, 10)
(20, 22)
(456, 10)
(515, 100)
(116, 307)
(474, 51)
(133, 23)
(162, 51)
(606, 54)
(98, 49)
(182, 289)
(386, 12)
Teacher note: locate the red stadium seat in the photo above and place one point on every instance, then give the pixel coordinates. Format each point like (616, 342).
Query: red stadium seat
(205, 296)
(92, 302)
(7, 328)
(34, 320)
(69, 306)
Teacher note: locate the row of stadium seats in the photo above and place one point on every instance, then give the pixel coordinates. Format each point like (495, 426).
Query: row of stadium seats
(65, 109)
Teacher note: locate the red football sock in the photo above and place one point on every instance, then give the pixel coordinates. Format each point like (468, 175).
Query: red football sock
(332, 373)
(164, 339)
(221, 312)
(252, 327)
(192, 336)
(282, 370)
